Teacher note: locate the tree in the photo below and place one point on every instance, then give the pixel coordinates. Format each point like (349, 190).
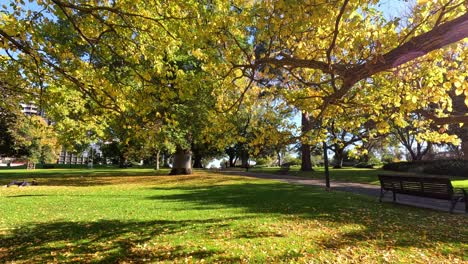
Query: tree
(260, 126)
(306, 126)
(353, 46)
(33, 134)
(417, 138)
(461, 130)
(107, 52)
(339, 140)
(7, 140)
(334, 56)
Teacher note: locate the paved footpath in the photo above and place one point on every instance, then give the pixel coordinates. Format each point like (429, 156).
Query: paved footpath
(359, 188)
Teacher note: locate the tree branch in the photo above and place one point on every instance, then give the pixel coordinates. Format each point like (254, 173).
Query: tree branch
(440, 36)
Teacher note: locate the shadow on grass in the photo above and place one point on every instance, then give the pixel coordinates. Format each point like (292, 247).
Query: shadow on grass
(84, 178)
(384, 225)
(104, 241)
(298, 208)
(26, 196)
(343, 174)
(8, 175)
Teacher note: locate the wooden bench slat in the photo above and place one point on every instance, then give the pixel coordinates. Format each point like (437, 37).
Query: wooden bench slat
(431, 187)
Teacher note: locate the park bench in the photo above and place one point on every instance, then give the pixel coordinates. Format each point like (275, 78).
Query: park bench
(429, 187)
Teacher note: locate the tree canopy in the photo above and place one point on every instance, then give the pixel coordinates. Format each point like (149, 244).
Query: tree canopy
(172, 72)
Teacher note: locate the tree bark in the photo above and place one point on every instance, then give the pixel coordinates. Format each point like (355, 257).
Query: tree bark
(460, 108)
(122, 160)
(165, 160)
(231, 152)
(182, 162)
(232, 161)
(325, 164)
(156, 160)
(338, 158)
(306, 162)
(197, 161)
(244, 158)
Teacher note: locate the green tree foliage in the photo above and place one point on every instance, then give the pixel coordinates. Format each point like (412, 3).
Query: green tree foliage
(8, 118)
(162, 69)
(33, 134)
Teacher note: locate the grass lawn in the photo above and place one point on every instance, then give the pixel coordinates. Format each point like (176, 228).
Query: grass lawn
(135, 216)
(347, 174)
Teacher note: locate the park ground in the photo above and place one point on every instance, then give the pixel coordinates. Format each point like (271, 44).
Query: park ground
(138, 215)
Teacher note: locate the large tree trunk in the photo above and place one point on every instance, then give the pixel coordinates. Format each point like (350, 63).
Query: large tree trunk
(165, 160)
(460, 108)
(232, 154)
(306, 162)
(197, 161)
(325, 164)
(156, 160)
(280, 161)
(244, 158)
(197, 157)
(338, 158)
(182, 162)
(420, 152)
(232, 161)
(413, 155)
(122, 161)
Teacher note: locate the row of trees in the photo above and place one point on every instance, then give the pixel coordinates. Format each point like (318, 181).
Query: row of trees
(197, 77)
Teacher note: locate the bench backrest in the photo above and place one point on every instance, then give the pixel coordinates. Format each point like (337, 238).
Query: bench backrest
(440, 188)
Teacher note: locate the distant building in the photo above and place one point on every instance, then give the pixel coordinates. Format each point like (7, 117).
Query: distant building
(29, 109)
(71, 158)
(67, 157)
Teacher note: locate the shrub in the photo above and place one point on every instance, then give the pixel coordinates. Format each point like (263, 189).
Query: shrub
(364, 165)
(295, 162)
(262, 161)
(440, 167)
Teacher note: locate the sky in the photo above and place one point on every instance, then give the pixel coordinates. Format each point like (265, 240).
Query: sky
(394, 8)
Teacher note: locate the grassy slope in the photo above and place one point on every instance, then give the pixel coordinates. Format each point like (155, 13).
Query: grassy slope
(216, 218)
(347, 175)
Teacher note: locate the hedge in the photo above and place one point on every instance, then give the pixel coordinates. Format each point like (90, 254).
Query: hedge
(452, 167)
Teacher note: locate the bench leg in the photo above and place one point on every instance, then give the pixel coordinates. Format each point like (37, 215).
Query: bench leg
(452, 205)
(394, 196)
(465, 199)
(381, 194)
